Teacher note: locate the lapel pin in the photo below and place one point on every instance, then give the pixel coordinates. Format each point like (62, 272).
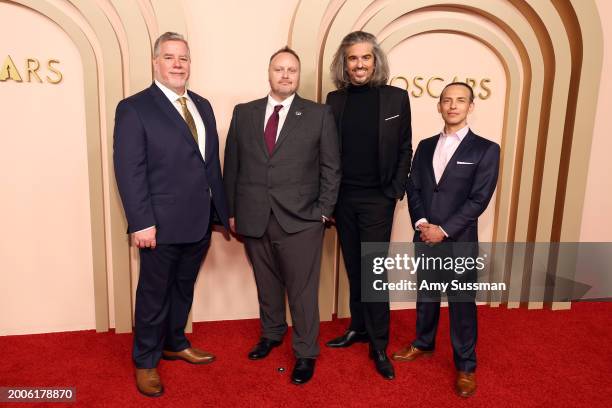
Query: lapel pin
(298, 113)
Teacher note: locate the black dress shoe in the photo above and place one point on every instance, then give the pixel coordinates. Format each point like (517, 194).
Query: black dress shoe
(383, 364)
(348, 338)
(263, 348)
(303, 370)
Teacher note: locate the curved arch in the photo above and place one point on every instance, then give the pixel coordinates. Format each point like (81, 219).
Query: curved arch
(94, 153)
(550, 38)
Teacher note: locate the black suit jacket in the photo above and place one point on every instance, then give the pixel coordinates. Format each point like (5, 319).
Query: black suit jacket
(394, 135)
(299, 181)
(162, 178)
(464, 190)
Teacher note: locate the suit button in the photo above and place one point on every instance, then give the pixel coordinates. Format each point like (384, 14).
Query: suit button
(436, 190)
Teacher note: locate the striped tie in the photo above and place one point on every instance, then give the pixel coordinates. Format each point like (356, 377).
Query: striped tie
(188, 118)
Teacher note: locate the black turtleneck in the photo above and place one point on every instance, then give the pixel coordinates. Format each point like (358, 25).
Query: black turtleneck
(360, 137)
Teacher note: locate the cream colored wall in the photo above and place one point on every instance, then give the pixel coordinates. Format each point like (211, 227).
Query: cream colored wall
(231, 43)
(597, 213)
(46, 278)
(421, 56)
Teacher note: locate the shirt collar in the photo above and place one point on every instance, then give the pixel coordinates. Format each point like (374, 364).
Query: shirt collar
(286, 103)
(461, 133)
(170, 94)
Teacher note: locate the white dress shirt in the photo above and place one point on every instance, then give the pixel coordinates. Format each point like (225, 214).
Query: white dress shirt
(173, 97)
(446, 147)
(282, 114)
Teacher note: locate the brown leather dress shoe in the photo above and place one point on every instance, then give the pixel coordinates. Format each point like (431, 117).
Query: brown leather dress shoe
(410, 353)
(190, 355)
(466, 384)
(148, 382)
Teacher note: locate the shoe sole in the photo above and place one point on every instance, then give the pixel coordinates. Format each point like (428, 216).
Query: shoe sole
(172, 358)
(156, 395)
(464, 395)
(345, 345)
(300, 383)
(426, 355)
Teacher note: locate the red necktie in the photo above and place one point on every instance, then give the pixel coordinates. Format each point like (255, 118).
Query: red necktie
(271, 128)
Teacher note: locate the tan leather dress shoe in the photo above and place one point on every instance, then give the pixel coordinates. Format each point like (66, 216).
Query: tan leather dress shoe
(190, 355)
(410, 353)
(148, 382)
(466, 384)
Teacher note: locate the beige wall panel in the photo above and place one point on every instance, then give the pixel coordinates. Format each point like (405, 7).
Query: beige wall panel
(111, 91)
(488, 117)
(515, 25)
(596, 218)
(170, 15)
(311, 18)
(519, 24)
(377, 23)
(54, 290)
(148, 13)
(46, 282)
(227, 72)
(505, 48)
(135, 46)
(559, 50)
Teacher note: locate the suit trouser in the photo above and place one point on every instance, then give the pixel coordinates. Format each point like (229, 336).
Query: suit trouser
(364, 215)
(292, 263)
(462, 314)
(163, 299)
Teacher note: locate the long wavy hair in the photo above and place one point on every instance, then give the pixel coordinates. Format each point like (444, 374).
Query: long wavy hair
(338, 66)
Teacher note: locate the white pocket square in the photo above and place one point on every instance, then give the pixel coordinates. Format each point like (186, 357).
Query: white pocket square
(460, 162)
(392, 117)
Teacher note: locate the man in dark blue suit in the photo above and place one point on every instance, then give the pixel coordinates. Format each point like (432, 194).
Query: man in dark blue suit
(166, 156)
(452, 180)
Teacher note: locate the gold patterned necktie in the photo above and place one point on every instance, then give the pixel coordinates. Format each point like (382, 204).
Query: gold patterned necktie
(188, 118)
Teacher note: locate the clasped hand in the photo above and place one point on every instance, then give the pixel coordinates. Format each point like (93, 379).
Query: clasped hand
(431, 234)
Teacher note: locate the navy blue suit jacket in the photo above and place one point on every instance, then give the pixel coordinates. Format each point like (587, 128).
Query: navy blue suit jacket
(464, 190)
(162, 178)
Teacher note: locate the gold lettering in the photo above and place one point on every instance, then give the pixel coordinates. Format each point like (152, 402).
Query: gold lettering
(32, 69)
(429, 81)
(471, 82)
(455, 79)
(400, 78)
(486, 88)
(9, 71)
(55, 71)
(418, 86)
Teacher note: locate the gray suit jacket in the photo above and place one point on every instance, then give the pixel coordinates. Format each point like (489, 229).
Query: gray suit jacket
(299, 181)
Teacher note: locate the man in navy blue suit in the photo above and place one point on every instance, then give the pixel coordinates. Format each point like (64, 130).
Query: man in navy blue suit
(166, 156)
(452, 180)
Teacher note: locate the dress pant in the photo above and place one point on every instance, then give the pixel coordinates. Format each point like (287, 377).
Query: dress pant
(163, 299)
(364, 215)
(290, 263)
(461, 308)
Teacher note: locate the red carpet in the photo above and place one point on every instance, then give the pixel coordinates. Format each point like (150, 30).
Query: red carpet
(526, 359)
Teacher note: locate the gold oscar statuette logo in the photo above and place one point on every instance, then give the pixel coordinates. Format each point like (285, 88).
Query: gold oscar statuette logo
(31, 70)
(421, 85)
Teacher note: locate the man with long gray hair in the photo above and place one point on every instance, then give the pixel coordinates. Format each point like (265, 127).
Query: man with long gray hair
(166, 156)
(375, 133)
